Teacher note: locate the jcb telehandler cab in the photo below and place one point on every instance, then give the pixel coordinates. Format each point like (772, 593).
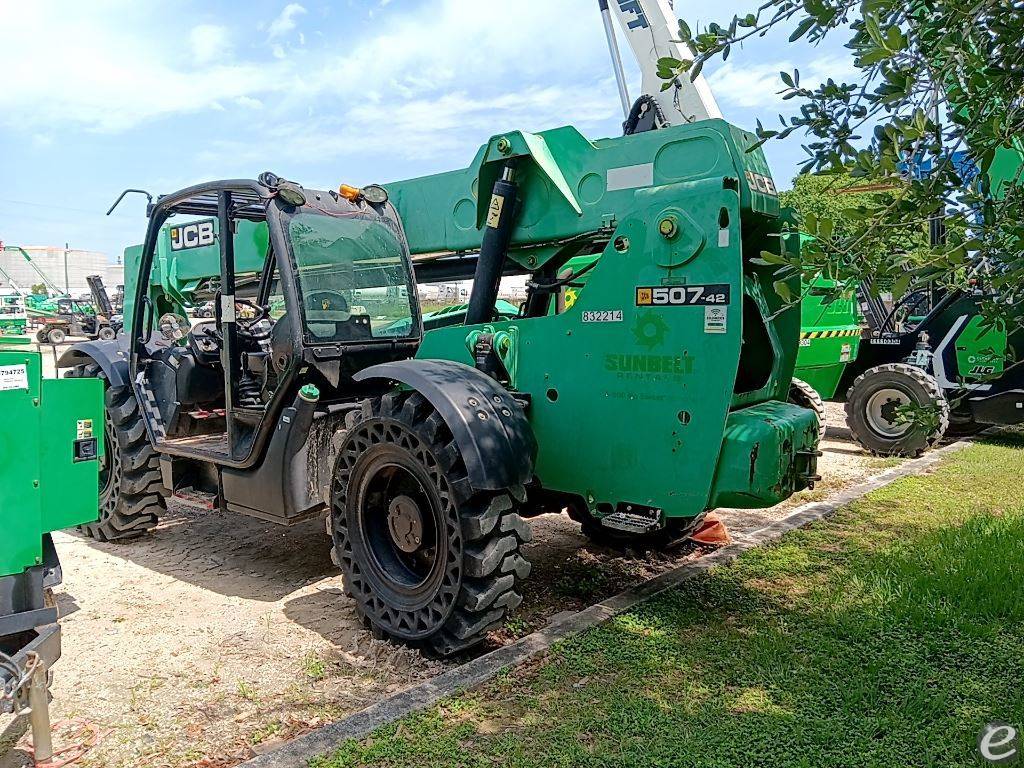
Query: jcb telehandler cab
(657, 396)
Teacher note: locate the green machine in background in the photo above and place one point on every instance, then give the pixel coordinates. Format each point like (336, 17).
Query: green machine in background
(13, 318)
(830, 334)
(49, 476)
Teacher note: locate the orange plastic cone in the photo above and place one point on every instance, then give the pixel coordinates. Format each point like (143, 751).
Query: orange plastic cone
(712, 532)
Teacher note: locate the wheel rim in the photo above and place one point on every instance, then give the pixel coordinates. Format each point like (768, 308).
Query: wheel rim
(396, 529)
(400, 523)
(882, 412)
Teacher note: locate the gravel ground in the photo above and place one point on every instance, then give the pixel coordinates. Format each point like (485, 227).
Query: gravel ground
(217, 636)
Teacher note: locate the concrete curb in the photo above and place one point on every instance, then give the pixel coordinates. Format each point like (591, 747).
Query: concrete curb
(298, 753)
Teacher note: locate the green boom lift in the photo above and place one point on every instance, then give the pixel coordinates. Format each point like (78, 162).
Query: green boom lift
(931, 350)
(659, 395)
(49, 475)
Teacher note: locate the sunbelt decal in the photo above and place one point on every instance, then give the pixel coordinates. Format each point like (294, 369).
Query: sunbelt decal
(198, 234)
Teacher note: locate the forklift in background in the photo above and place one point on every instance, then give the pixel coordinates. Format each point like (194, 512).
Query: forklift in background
(70, 317)
(97, 320)
(107, 315)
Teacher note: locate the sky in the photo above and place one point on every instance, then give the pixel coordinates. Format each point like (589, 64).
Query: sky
(100, 96)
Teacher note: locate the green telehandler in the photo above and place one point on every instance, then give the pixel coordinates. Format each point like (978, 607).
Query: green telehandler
(315, 391)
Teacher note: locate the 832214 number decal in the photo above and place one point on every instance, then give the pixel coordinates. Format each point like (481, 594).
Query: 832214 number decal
(603, 316)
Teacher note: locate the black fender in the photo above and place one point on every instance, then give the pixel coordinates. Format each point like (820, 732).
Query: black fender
(489, 426)
(111, 357)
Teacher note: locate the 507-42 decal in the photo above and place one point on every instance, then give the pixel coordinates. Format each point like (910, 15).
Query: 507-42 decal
(715, 294)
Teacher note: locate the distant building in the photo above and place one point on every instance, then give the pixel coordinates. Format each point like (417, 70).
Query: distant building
(66, 268)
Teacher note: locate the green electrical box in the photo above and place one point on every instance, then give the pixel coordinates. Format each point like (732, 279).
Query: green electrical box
(51, 450)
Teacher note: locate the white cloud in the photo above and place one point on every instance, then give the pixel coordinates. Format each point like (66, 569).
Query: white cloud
(285, 21)
(82, 67)
(209, 43)
(757, 86)
(416, 77)
(445, 131)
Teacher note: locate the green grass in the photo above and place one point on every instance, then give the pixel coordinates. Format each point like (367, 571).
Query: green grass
(314, 667)
(884, 636)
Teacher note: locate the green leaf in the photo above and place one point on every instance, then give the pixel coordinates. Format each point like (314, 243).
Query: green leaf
(900, 285)
(801, 29)
(773, 258)
(782, 288)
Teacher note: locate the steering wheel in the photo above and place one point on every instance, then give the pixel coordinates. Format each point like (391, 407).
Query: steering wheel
(246, 324)
(205, 342)
(327, 301)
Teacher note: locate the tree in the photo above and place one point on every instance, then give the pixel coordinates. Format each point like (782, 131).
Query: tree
(39, 290)
(826, 198)
(936, 78)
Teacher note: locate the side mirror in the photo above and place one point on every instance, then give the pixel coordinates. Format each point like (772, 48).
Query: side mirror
(174, 327)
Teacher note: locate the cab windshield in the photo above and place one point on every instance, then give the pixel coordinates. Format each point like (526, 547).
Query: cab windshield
(353, 280)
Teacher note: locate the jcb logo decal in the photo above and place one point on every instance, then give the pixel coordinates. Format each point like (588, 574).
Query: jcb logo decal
(195, 235)
(761, 183)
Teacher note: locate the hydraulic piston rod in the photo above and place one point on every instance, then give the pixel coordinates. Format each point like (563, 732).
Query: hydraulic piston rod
(494, 249)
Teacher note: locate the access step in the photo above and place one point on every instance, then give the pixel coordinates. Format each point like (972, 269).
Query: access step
(190, 497)
(629, 523)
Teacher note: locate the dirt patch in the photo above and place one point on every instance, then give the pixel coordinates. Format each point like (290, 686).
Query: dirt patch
(217, 636)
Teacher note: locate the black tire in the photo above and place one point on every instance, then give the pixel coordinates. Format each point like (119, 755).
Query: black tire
(871, 413)
(654, 541)
(962, 424)
(56, 336)
(107, 333)
(41, 335)
(443, 598)
(803, 394)
(132, 493)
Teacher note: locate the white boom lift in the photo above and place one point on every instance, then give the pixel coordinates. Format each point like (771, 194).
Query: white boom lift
(651, 28)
